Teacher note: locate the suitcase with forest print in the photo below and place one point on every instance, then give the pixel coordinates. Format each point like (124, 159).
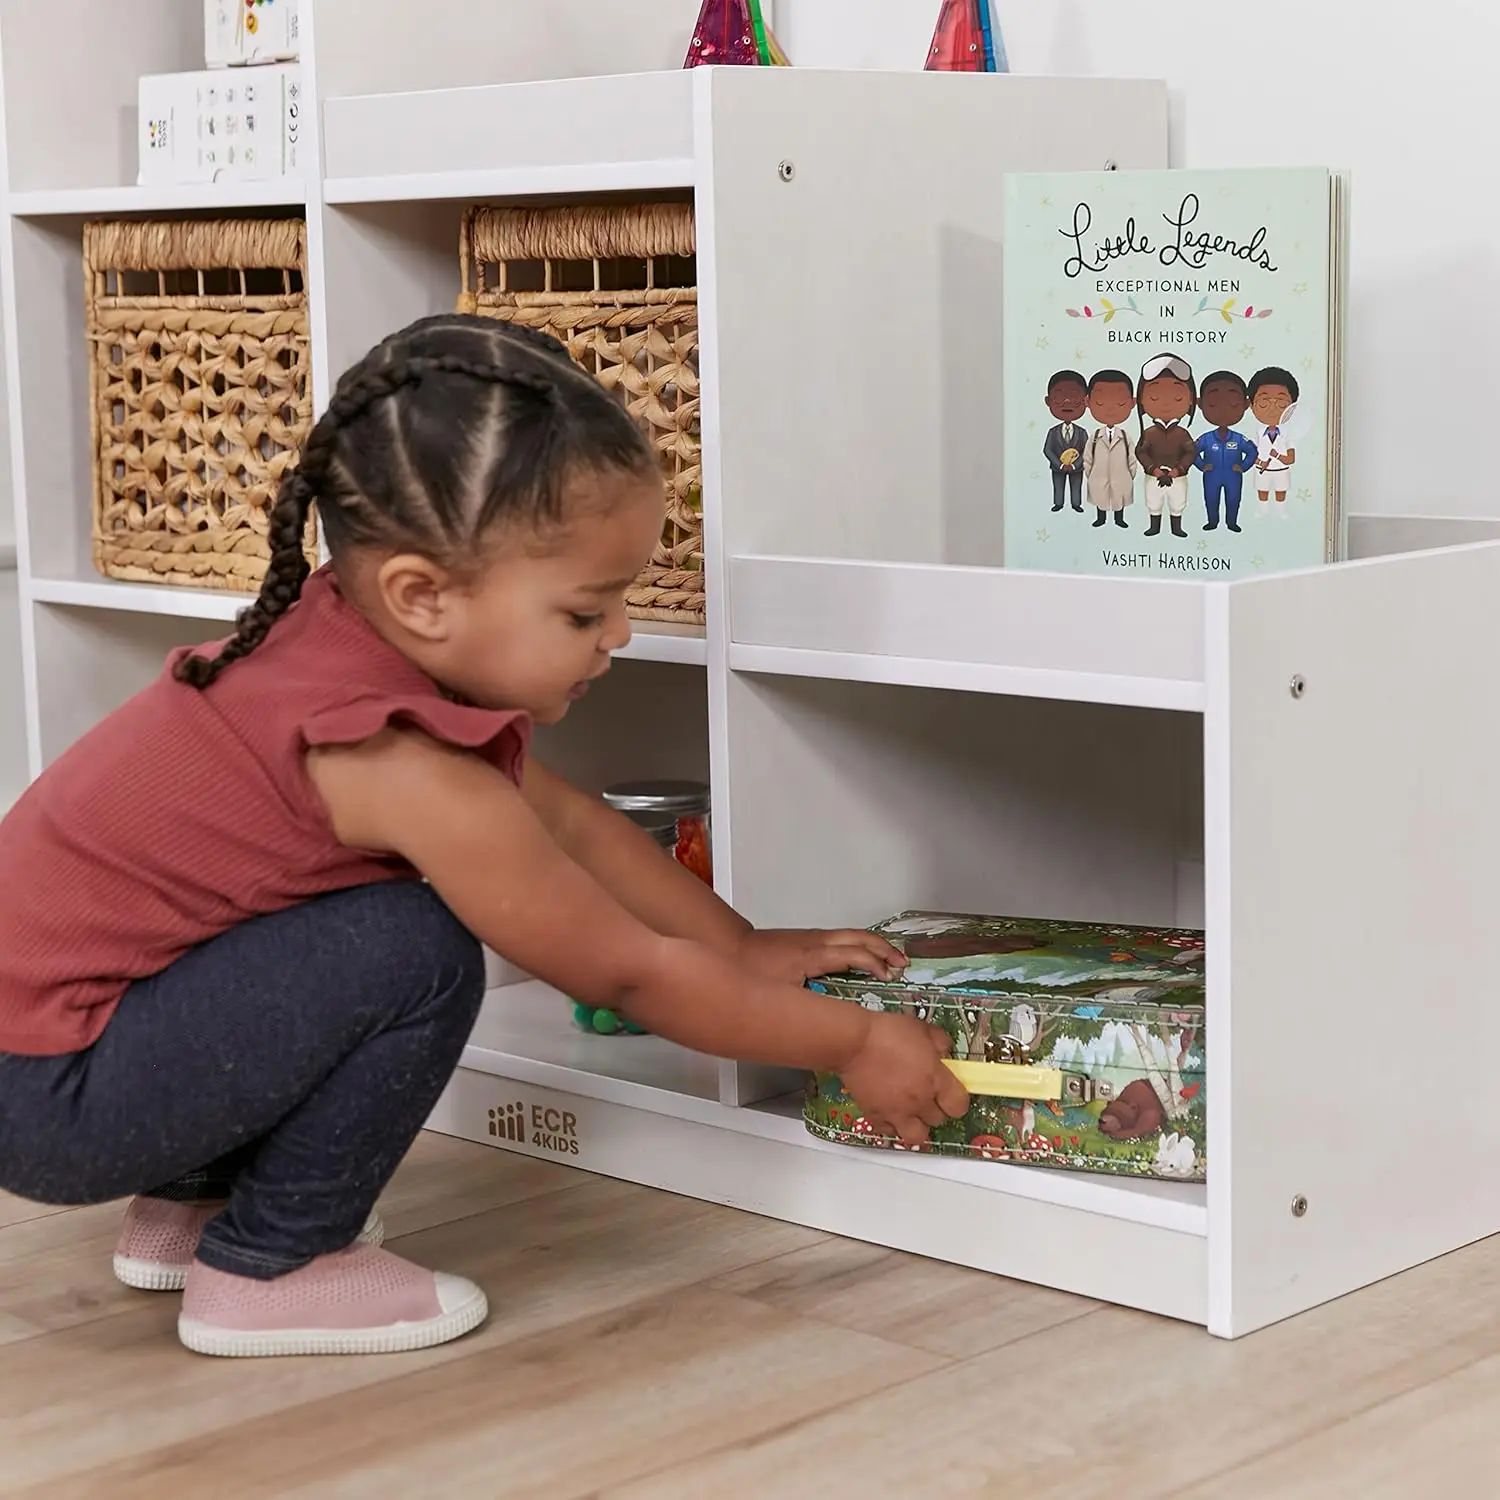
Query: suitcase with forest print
(1082, 1046)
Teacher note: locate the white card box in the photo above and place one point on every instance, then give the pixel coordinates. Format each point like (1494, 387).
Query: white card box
(221, 126)
(237, 33)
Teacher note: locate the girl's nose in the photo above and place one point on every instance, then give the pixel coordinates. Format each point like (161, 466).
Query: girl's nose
(617, 634)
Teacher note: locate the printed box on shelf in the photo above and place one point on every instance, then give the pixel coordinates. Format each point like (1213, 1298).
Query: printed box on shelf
(241, 32)
(220, 126)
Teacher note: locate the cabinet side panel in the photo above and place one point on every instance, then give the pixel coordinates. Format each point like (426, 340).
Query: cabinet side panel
(1363, 816)
(859, 235)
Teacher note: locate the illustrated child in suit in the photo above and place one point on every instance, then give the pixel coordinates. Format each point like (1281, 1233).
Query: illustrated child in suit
(1109, 461)
(1224, 455)
(1169, 398)
(1273, 399)
(1067, 399)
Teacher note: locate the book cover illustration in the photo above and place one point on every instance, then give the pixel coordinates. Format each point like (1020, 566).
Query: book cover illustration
(1171, 371)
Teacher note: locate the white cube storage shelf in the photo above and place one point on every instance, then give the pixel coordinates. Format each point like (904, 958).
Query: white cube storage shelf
(887, 716)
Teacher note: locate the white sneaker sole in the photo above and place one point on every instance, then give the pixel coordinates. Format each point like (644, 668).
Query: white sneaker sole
(150, 1275)
(397, 1338)
(163, 1276)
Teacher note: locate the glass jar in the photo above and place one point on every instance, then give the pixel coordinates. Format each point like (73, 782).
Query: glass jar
(675, 814)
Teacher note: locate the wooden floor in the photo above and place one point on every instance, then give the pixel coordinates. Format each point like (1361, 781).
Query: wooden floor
(642, 1347)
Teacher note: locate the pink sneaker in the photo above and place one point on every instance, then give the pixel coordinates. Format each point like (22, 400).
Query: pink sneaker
(159, 1239)
(359, 1301)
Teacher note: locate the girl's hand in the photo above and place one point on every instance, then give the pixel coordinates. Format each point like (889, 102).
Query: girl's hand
(792, 955)
(898, 1079)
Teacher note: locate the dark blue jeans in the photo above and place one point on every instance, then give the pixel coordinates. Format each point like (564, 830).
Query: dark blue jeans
(287, 1065)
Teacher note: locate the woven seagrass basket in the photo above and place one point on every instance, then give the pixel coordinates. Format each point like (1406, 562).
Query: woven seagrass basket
(616, 286)
(200, 377)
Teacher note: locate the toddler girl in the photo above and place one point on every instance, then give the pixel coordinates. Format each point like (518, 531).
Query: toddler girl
(240, 920)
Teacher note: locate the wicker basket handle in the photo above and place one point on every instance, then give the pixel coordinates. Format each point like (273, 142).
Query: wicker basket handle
(630, 231)
(196, 245)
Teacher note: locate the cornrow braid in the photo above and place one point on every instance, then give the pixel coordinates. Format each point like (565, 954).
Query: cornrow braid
(411, 481)
(493, 330)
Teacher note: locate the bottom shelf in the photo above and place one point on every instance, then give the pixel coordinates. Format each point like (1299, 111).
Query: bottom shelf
(1137, 1243)
(525, 1031)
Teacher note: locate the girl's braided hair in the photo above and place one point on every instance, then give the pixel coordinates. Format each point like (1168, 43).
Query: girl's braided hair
(445, 429)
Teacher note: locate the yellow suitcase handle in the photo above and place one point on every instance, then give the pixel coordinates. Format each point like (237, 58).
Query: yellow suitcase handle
(1015, 1081)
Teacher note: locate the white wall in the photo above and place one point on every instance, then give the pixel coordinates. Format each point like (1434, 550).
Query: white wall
(12, 721)
(12, 702)
(1402, 95)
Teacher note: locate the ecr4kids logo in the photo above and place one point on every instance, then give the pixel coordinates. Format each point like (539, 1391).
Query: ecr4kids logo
(548, 1129)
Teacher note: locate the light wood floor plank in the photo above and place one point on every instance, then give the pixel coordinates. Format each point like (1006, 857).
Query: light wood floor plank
(55, 1273)
(18, 1210)
(562, 1413)
(444, 1180)
(91, 1396)
(1117, 1403)
(926, 1304)
(1443, 1439)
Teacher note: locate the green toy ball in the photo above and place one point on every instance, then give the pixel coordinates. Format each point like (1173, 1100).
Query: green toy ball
(602, 1022)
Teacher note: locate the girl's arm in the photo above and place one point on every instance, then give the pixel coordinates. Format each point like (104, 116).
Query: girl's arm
(654, 888)
(472, 834)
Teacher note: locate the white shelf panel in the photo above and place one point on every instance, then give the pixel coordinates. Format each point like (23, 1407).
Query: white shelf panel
(618, 133)
(138, 598)
(526, 1031)
(685, 644)
(159, 198)
(968, 677)
(653, 640)
(481, 184)
(1133, 641)
(1139, 1244)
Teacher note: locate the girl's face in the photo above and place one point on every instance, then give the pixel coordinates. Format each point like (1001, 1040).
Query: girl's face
(1166, 399)
(539, 622)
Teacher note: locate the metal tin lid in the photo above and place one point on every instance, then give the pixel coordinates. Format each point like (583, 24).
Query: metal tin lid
(673, 799)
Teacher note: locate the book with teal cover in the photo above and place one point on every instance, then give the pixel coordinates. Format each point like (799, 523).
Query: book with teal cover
(1173, 369)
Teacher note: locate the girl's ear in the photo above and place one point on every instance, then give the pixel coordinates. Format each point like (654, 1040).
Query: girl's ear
(415, 593)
